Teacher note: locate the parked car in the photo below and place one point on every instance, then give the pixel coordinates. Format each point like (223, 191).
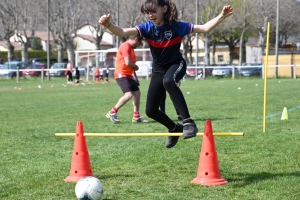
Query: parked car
(190, 71)
(57, 69)
(33, 60)
(223, 70)
(254, 70)
(35, 69)
(9, 69)
(145, 68)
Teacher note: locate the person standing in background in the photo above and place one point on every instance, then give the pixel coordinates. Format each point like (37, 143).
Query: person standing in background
(101, 74)
(106, 75)
(69, 72)
(127, 80)
(77, 74)
(97, 74)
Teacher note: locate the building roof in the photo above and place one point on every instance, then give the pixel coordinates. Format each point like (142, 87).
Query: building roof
(40, 34)
(15, 44)
(92, 40)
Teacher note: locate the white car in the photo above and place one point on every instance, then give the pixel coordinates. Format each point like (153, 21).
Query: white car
(145, 68)
(57, 69)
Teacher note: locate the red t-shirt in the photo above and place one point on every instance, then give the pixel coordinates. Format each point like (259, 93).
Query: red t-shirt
(123, 70)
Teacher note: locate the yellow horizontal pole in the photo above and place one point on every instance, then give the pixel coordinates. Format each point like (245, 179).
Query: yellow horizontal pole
(146, 134)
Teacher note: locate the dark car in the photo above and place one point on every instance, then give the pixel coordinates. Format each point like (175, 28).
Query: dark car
(250, 70)
(35, 69)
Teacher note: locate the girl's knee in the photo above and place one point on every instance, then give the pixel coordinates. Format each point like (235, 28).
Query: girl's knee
(169, 83)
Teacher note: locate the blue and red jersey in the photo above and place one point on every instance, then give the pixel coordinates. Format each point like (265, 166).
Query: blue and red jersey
(164, 40)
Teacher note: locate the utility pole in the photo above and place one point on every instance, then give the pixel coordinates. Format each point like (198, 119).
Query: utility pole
(48, 39)
(277, 38)
(117, 38)
(197, 40)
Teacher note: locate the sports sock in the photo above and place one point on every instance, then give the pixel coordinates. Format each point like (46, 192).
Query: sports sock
(113, 110)
(136, 115)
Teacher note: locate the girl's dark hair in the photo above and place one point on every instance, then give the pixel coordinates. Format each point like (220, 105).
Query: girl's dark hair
(170, 17)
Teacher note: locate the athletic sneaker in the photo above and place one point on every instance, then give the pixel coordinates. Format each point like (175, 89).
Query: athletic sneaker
(189, 129)
(113, 117)
(172, 140)
(141, 119)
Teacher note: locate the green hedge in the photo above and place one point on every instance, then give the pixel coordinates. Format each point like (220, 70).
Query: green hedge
(32, 54)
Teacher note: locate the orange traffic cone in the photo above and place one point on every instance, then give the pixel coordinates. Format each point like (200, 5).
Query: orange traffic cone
(208, 168)
(81, 165)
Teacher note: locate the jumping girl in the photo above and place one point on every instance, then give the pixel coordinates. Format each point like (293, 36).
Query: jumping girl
(164, 33)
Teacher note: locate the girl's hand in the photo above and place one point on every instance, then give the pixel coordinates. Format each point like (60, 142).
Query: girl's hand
(227, 11)
(105, 20)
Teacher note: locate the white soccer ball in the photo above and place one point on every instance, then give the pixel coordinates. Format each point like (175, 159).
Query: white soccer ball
(89, 188)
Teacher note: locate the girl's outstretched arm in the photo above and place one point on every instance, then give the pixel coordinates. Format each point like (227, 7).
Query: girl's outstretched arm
(118, 31)
(226, 12)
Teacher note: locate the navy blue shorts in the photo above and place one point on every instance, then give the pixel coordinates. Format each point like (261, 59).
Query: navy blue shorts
(127, 85)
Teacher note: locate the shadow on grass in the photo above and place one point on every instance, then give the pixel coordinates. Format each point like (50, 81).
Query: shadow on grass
(112, 176)
(213, 119)
(248, 179)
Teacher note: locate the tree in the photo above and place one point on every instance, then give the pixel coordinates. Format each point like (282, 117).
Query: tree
(209, 10)
(28, 16)
(36, 44)
(65, 18)
(264, 11)
(95, 9)
(289, 25)
(243, 16)
(185, 13)
(9, 22)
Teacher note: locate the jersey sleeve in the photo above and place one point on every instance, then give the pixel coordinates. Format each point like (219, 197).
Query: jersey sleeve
(184, 28)
(143, 29)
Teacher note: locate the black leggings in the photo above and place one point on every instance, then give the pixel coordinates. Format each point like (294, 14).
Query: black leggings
(70, 77)
(165, 78)
(162, 105)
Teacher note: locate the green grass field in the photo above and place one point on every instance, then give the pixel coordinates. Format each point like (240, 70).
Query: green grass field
(34, 162)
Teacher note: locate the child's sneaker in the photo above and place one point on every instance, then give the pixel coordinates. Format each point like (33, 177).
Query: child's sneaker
(113, 117)
(140, 119)
(189, 129)
(172, 140)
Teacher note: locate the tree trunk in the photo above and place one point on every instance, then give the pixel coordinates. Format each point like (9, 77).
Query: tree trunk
(185, 48)
(207, 50)
(24, 51)
(70, 51)
(59, 53)
(214, 53)
(10, 52)
(241, 48)
(231, 53)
